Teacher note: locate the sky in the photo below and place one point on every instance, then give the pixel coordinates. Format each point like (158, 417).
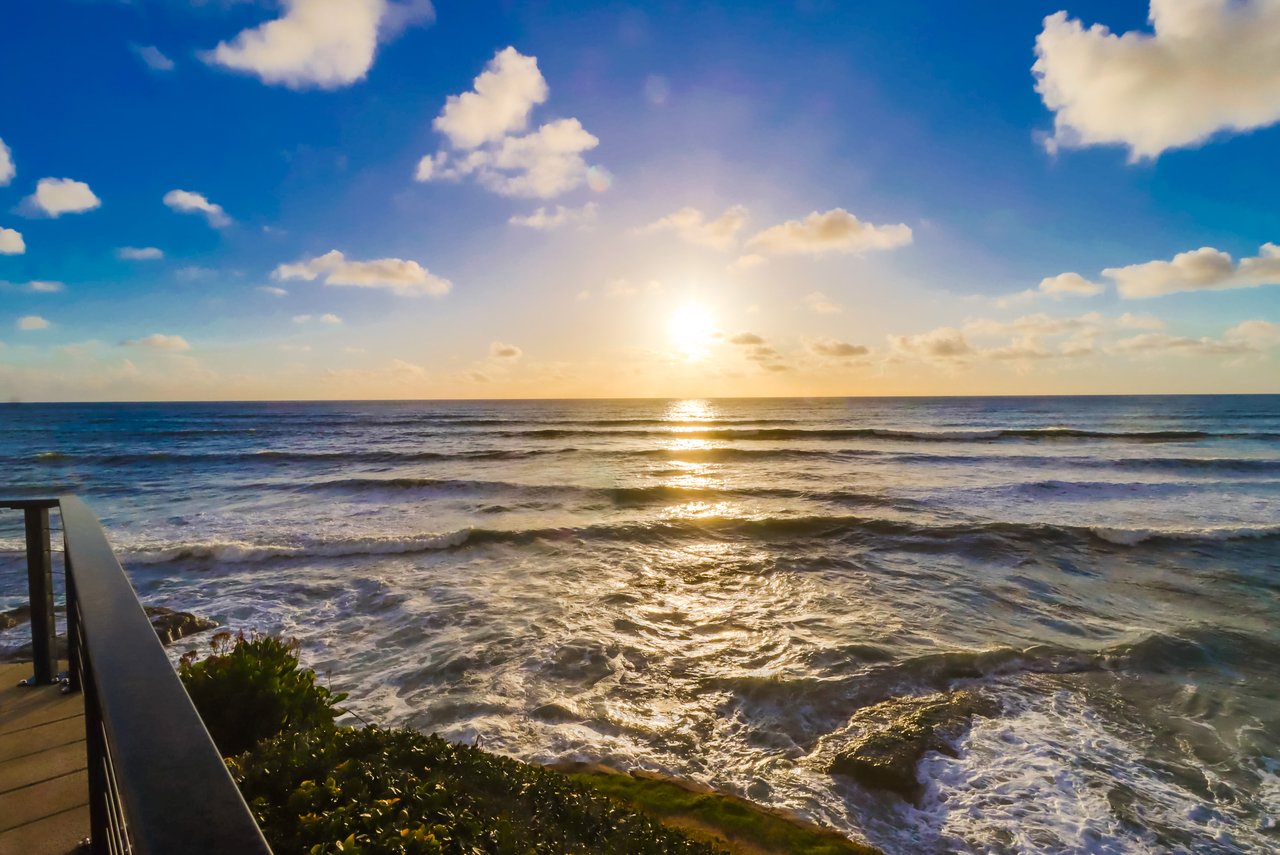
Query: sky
(341, 199)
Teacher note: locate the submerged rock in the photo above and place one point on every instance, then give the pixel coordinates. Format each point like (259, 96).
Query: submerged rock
(11, 618)
(171, 625)
(892, 736)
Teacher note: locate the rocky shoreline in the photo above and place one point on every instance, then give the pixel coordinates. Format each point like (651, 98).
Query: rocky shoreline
(880, 749)
(170, 626)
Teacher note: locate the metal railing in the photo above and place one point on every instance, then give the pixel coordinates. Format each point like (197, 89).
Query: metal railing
(157, 783)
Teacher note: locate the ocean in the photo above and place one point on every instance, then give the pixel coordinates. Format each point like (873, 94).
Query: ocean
(711, 588)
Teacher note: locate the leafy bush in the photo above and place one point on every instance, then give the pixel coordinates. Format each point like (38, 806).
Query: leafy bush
(399, 791)
(250, 689)
(318, 788)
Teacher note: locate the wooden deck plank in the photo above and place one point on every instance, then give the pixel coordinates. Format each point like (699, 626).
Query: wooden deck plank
(44, 791)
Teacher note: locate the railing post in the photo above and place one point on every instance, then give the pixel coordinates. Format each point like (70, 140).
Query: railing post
(44, 648)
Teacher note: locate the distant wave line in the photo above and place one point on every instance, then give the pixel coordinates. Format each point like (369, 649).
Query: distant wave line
(843, 528)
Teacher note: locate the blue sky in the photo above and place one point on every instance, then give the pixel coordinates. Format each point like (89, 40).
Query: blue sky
(923, 116)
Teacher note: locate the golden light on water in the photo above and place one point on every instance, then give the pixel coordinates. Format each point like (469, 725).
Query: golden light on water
(690, 410)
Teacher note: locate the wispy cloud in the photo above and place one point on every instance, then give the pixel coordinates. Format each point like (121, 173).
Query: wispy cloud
(398, 275)
(692, 226)
(836, 349)
(188, 202)
(836, 230)
(139, 253)
(546, 219)
(821, 303)
(158, 341)
(502, 350)
(153, 58)
(30, 323)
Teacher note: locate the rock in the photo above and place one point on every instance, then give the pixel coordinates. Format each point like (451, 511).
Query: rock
(171, 625)
(11, 618)
(892, 736)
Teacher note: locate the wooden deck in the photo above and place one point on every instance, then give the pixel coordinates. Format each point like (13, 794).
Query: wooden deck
(44, 793)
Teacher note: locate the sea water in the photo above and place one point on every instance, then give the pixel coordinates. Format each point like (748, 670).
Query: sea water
(709, 588)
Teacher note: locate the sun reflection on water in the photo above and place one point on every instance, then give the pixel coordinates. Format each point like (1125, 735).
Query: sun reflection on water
(690, 410)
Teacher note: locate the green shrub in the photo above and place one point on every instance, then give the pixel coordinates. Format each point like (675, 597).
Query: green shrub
(398, 791)
(318, 788)
(250, 689)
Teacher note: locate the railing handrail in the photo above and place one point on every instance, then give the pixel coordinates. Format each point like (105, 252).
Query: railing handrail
(160, 774)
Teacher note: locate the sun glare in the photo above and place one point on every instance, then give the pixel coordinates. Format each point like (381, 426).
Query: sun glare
(692, 331)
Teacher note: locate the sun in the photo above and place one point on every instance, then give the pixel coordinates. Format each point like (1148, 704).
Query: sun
(692, 331)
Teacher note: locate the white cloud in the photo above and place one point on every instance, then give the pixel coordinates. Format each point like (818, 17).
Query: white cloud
(44, 286)
(11, 242)
(743, 262)
(539, 165)
(139, 253)
(822, 304)
(545, 219)
(57, 196)
(318, 43)
(1024, 348)
(433, 166)
(1037, 325)
(7, 169)
(1209, 66)
(154, 59)
(187, 202)
(1199, 270)
(273, 291)
(1258, 333)
(758, 350)
(941, 343)
(1069, 284)
(1139, 322)
(501, 350)
(32, 322)
(1160, 343)
(833, 231)
(691, 225)
(836, 349)
(407, 370)
(192, 272)
(1055, 287)
(483, 127)
(501, 99)
(406, 278)
(158, 341)
(656, 89)
(327, 318)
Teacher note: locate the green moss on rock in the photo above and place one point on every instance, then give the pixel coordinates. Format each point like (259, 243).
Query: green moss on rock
(733, 824)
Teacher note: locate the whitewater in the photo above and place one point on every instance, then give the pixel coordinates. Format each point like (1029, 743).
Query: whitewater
(712, 588)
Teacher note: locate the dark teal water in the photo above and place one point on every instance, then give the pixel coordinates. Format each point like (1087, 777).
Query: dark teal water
(712, 588)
